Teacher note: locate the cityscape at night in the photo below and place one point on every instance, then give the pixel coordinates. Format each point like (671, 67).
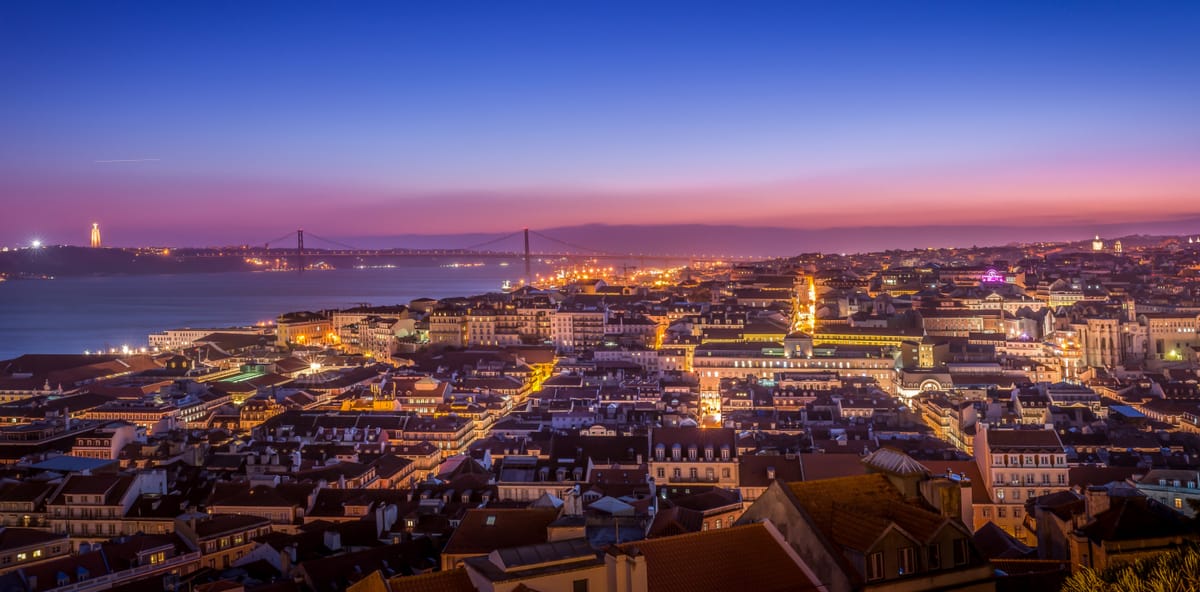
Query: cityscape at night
(599, 296)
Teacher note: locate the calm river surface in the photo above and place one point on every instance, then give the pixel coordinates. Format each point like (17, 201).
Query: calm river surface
(70, 315)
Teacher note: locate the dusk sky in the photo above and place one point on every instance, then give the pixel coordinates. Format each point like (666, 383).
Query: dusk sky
(228, 122)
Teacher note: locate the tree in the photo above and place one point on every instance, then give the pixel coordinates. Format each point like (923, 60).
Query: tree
(1174, 571)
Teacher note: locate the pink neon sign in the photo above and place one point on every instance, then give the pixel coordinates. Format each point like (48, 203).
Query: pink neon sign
(991, 276)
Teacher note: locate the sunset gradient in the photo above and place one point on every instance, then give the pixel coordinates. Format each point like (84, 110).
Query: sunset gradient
(208, 122)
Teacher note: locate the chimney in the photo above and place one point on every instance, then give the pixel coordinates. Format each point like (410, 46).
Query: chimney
(626, 569)
(770, 473)
(1096, 500)
(332, 540)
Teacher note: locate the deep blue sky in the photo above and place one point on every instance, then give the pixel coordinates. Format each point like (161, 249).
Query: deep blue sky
(369, 119)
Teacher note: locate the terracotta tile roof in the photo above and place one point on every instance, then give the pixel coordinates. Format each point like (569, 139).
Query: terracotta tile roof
(675, 521)
(753, 469)
(240, 494)
(709, 500)
(1085, 476)
(962, 468)
(113, 487)
(219, 524)
(1138, 518)
(339, 571)
(1020, 440)
(14, 538)
(820, 497)
(853, 530)
(918, 522)
(372, 583)
(27, 491)
(39, 365)
(855, 511)
(219, 586)
(1063, 504)
(819, 466)
(90, 565)
(455, 580)
(485, 530)
(994, 543)
(694, 436)
(740, 558)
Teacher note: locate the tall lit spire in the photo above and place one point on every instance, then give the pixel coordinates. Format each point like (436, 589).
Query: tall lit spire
(95, 235)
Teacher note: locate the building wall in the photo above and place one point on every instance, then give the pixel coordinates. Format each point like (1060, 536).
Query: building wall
(1183, 498)
(307, 332)
(775, 505)
(596, 577)
(19, 557)
(1007, 477)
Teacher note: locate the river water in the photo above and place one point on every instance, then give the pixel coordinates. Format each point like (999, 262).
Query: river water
(71, 315)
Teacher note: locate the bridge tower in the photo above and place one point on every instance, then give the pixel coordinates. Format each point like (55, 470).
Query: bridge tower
(528, 274)
(300, 249)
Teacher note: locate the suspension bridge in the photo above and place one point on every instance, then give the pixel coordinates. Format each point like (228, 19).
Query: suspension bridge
(527, 244)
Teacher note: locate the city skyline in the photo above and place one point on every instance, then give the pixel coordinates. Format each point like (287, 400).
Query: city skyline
(701, 239)
(214, 125)
(604, 297)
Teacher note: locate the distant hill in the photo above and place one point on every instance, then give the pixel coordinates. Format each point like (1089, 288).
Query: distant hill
(69, 261)
(774, 241)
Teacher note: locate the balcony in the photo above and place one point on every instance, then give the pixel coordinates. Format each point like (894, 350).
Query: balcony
(109, 580)
(699, 479)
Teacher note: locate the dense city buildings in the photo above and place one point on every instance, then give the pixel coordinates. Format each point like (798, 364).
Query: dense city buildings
(547, 296)
(954, 419)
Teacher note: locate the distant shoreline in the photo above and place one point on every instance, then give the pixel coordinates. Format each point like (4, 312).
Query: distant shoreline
(68, 261)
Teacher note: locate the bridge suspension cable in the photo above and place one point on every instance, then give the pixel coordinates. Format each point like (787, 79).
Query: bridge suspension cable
(492, 242)
(571, 245)
(332, 242)
(290, 237)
